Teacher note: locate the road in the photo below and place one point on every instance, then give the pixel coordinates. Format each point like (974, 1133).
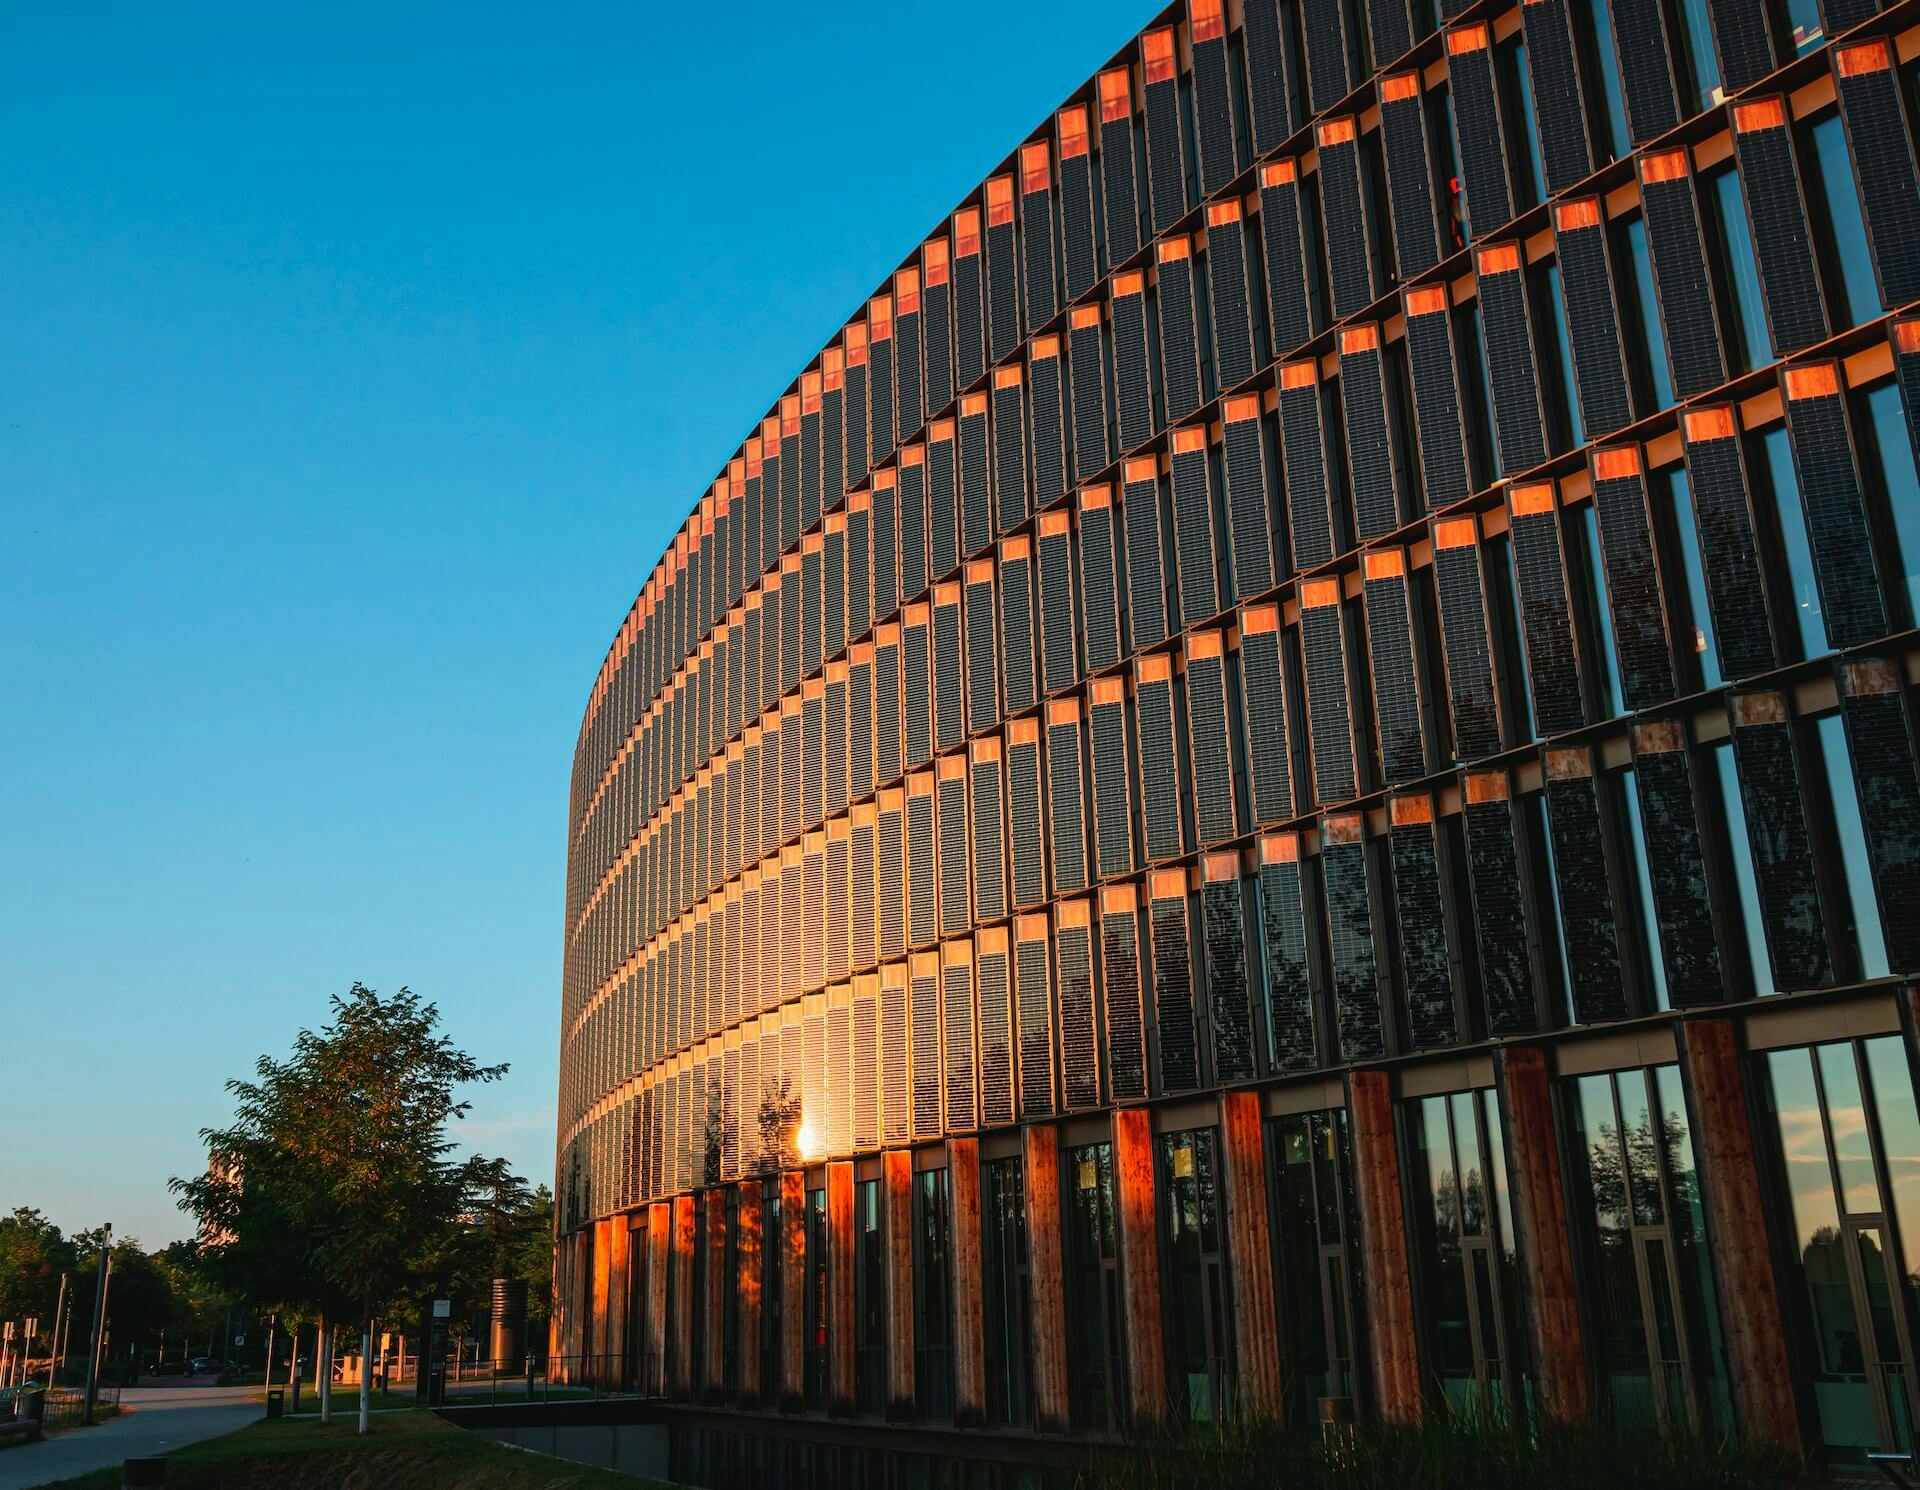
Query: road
(153, 1420)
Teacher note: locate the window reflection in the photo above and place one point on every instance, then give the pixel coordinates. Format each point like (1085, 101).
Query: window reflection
(1313, 1207)
(1197, 1340)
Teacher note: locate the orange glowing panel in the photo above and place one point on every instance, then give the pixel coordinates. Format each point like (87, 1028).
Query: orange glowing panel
(1865, 56)
(1279, 172)
(1615, 464)
(1709, 424)
(1023, 731)
(1084, 316)
(1109, 690)
(972, 404)
(1173, 249)
(1530, 500)
(856, 339)
(966, 231)
(1116, 95)
(912, 455)
(1140, 468)
(1011, 549)
(1455, 532)
(1209, 18)
(1156, 667)
(1426, 299)
(1073, 132)
(999, 201)
(906, 291)
(1223, 212)
(1319, 592)
(1400, 85)
(1502, 258)
(1412, 810)
(1117, 900)
(1205, 644)
(833, 369)
(940, 430)
(1906, 335)
(1299, 374)
(1036, 167)
(1169, 884)
(1072, 913)
(1053, 524)
(1818, 381)
(1666, 165)
(1466, 39)
(1093, 498)
(810, 393)
(1336, 132)
(1487, 786)
(1063, 711)
(1345, 827)
(1386, 563)
(1584, 213)
(1260, 620)
(880, 317)
(1189, 439)
(1242, 406)
(1130, 282)
(1045, 347)
(1217, 867)
(1007, 377)
(1156, 52)
(1762, 113)
(1359, 339)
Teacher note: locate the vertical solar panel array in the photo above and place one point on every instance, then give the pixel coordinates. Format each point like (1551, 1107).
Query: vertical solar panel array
(1586, 899)
(1173, 1010)
(1776, 819)
(1432, 1018)
(1013, 660)
(1880, 741)
(1126, 1042)
(1159, 757)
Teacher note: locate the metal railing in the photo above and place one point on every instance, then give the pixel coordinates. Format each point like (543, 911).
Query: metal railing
(568, 1378)
(65, 1406)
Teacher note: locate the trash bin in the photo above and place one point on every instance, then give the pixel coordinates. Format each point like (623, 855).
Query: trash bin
(139, 1474)
(276, 1403)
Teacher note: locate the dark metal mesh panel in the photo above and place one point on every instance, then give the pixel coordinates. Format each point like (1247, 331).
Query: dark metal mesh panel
(1059, 655)
(1329, 722)
(1559, 93)
(1782, 238)
(1545, 619)
(1159, 760)
(1782, 844)
(1209, 739)
(1126, 1020)
(989, 840)
(1009, 455)
(1633, 586)
(1593, 316)
(1028, 832)
(1016, 624)
(983, 672)
(991, 988)
(1432, 1019)
(1283, 240)
(1173, 986)
(1263, 705)
(1410, 177)
(1356, 987)
(1586, 901)
(1034, 1005)
(1372, 460)
(1066, 804)
(1683, 909)
(1132, 381)
(1112, 785)
(1146, 564)
(1831, 497)
(1233, 361)
(962, 1070)
(1079, 1044)
(926, 1011)
(1198, 565)
(1088, 384)
(1396, 689)
(956, 876)
(1179, 336)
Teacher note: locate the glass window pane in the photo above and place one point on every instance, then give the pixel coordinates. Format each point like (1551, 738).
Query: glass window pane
(1643, 1165)
(1887, 421)
(1689, 1233)
(1859, 295)
(1727, 773)
(1814, 1211)
(1643, 876)
(1648, 304)
(1724, 199)
(1466, 1151)
(1893, 1108)
(1669, 489)
(1847, 1126)
(1602, 611)
(1616, 111)
(1853, 845)
(1793, 537)
(1439, 1228)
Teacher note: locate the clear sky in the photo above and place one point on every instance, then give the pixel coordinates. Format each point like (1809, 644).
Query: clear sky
(356, 362)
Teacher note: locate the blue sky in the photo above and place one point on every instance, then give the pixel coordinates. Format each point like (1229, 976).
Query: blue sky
(356, 365)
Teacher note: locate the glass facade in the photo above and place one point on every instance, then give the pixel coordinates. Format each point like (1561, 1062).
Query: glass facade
(1358, 547)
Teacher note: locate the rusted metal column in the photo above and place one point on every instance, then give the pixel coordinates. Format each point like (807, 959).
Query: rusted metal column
(659, 1264)
(580, 1297)
(840, 1341)
(715, 1200)
(1391, 1336)
(1751, 1320)
(1256, 1327)
(793, 1290)
(747, 1286)
(1046, 1276)
(1140, 1262)
(1546, 1246)
(899, 1222)
(680, 1365)
(969, 1312)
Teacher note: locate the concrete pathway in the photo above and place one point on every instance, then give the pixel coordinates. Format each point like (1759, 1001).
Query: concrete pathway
(152, 1420)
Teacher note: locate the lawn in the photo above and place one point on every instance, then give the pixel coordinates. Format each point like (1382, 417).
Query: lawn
(405, 1451)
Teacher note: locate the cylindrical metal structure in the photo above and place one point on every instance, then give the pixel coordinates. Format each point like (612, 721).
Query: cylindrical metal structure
(508, 1322)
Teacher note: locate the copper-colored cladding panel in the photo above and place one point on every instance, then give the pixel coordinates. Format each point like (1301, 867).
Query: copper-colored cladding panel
(1546, 1245)
(602, 1289)
(840, 1325)
(746, 1287)
(718, 1283)
(619, 1290)
(1046, 1276)
(899, 1231)
(1256, 1331)
(1761, 1369)
(659, 1257)
(969, 1316)
(793, 1289)
(1140, 1261)
(680, 1366)
(1391, 1337)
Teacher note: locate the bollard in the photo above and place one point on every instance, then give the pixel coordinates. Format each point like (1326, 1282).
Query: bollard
(138, 1474)
(276, 1403)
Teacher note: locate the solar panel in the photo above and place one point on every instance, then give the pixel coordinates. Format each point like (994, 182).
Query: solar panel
(1304, 461)
(1009, 448)
(995, 1013)
(1346, 216)
(1356, 988)
(1519, 421)
(1210, 737)
(1033, 1001)
(1580, 874)
(1066, 800)
(1120, 193)
(1410, 173)
(1645, 51)
(1782, 845)
(923, 922)
(1263, 706)
(1159, 758)
(1086, 355)
(1676, 864)
(1474, 701)
(1782, 238)
(1396, 682)
(1881, 143)
(1047, 376)
(1132, 381)
(1003, 272)
(1016, 665)
(1284, 244)
(1120, 967)
(1146, 562)
(1079, 1042)
(1323, 24)
(1265, 36)
(911, 489)
(1633, 585)
(1480, 130)
(926, 1017)
(1232, 310)
(1212, 95)
(1425, 958)
(1166, 135)
(1545, 617)
(956, 875)
(1112, 778)
(936, 299)
(1884, 774)
(990, 901)
(1059, 654)
(962, 1070)
(909, 366)
(1197, 562)
(1329, 722)
(969, 301)
(1027, 835)
(1249, 496)
(1372, 456)
(1078, 259)
(1174, 1016)
(1831, 497)
(1037, 232)
(976, 485)
(1559, 93)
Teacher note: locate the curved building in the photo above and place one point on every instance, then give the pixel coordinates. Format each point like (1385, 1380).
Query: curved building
(1288, 771)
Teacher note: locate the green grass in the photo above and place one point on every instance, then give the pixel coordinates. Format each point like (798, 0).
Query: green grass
(405, 1451)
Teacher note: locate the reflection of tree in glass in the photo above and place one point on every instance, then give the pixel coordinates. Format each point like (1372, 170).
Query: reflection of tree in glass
(713, 1129)
(1634, 1174)
(779, 1122)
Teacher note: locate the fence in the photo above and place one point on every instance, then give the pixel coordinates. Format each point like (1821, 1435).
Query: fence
(574, 1378)
(65, 1406)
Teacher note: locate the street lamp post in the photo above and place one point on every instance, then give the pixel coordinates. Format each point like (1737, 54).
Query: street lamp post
(99, 1321)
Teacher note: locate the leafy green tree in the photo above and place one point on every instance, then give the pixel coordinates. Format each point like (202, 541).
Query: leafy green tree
(33, 1255)
(333, 1187)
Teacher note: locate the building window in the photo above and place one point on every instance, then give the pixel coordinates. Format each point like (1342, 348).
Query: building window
(1836, 758)
(1009, 1309)
(1635, 1196)
(697, 1365)
(1732, 244)
(932, 1295)
(819, 1369)
(870, 1299)
(1313, 1217)
(730, 1295)
(1467, 1266)
(1198, 1340)
(1845, 1141)
(1096, 1337)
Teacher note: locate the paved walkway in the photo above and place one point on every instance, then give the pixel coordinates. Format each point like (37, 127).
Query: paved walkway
(152, 1420)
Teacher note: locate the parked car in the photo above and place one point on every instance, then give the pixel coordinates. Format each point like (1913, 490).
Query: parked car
(176, 1367)
(207, 1365)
